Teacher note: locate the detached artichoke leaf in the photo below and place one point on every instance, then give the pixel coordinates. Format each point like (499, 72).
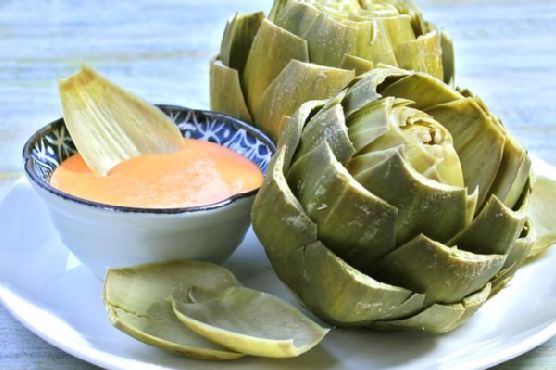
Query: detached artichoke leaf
(230, 101)
(133, 289)
(160, 328)
(476, 137)
(493, 231)
(295, 85)
(343, 295)
(248, 321)
(439, 318)
(352, 222)
(444, 274)
(424, 206)
(109, 125)
(264, 63)
(238, 38)
(136, 299)
(542, 211)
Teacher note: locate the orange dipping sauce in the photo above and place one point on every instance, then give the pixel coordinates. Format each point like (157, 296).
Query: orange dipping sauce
(201, 173)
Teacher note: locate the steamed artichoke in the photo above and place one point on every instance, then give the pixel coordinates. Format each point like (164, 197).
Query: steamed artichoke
(311, 49)
(401, 203)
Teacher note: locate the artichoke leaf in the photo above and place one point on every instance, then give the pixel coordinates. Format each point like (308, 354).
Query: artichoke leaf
(364, 90)
(476, 136)
(370, 122)
(352, 222)
(423, 54)
(109, 125)
(248, 321)
(264, 63)
(423, 90)
(472, 303)
(424, 206)
(229, 100)
(516, 257)
(542, 211)
(410, 8)
(439, 318)
(160, 328)
(328, 125)
(136, 299)
(293, 16)
(329, 40)
(513, 173)
(238, 38)
(493, 231)
(380, 50)
(289, 227)
(444, 274)
(293, 128)
(399, 30)
(448, 58)
(359, 65)
(515, 169)
(296, 84)
(133, 289)
(343, 295)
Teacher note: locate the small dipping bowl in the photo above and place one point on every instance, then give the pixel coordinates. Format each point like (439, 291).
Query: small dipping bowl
(103, 236)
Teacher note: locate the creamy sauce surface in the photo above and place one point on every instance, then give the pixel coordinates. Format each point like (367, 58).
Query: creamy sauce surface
(201, 173)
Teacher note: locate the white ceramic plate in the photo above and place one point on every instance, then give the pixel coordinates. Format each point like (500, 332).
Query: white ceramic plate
(57, 298)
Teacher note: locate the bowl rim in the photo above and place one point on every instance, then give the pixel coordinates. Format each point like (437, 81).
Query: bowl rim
(27, 156)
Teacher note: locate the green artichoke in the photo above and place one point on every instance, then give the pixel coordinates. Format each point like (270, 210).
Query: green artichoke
(311, 49)
(401, 203)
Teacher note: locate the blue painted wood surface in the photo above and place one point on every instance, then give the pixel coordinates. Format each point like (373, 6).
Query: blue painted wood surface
(506, 53)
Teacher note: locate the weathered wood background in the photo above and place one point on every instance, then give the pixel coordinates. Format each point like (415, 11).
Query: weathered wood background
(506, 52)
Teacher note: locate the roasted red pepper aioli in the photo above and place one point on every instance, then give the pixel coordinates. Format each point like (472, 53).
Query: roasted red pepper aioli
(201, 173)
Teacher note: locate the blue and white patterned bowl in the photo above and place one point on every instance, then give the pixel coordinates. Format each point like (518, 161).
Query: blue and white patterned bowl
(104, 236)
